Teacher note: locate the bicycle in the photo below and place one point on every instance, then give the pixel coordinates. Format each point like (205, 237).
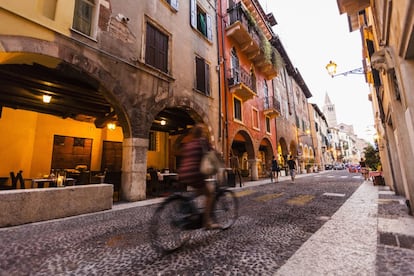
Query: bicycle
(179, 213)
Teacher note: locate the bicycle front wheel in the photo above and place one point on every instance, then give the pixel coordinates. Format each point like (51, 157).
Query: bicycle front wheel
(167, 225)
(226, 208)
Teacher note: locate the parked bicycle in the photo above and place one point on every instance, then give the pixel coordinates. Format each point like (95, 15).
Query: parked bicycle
(179, 214)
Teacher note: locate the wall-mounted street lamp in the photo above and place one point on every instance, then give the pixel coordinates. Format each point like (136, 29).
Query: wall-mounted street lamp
(306, 133)
(331, 68)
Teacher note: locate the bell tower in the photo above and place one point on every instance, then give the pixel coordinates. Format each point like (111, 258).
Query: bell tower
(330, 112)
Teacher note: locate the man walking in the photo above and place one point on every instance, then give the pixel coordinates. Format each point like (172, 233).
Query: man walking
(234, 164)
(275, 170)
(292, 168)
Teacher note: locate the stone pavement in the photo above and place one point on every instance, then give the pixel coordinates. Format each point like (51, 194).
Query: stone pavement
(371, 234)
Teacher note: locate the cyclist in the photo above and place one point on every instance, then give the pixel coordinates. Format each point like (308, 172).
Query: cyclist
(189, 171)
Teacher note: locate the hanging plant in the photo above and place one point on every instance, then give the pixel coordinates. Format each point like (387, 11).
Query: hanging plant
(266, 47)
(250, 18)
(277, 60)
(271, 55)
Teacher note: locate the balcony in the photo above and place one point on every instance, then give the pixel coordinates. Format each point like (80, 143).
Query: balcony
(240, 83)
(246, 35)
(271, 107)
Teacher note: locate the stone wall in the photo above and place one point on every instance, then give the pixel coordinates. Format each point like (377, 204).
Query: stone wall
(32, 205)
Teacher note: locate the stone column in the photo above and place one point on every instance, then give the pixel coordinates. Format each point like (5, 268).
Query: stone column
(254, 173)
(134, 168)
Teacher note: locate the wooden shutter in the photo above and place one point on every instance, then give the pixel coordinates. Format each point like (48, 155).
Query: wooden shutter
(207, 79)
(162, 51)
(209, 28)
(150, 45)
(156, 50)
(200, 74)
(174, 4)
(193, 14)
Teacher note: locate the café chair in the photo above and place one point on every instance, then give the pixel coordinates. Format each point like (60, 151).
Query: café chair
(20, 179)
(154, 183)
(114, 178)
(3, 185)
(83, 178)
(17, 178)
(13, 180)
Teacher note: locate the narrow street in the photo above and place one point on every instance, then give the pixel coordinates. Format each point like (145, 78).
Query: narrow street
(275, 220)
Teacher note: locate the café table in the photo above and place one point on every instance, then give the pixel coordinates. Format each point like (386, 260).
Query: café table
(167, 176)
(40, 182)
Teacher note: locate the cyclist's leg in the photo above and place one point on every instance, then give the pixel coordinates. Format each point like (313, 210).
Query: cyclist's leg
(209, 189)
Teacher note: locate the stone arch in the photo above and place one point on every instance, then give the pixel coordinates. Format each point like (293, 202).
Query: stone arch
(265, 155)
(293, 149)
(63, 54)
(242, 146)
(112, 80)
(283, 151)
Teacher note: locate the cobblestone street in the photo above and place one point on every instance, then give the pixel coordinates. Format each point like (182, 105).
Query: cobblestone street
(276, 219)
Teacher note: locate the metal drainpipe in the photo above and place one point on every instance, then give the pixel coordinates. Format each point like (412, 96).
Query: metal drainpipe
(276, 140)
(225, 138)
(218, 74)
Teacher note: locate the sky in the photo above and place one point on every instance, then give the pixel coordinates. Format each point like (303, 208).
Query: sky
(313, 33)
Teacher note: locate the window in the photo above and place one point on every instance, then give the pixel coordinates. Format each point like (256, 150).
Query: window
(173, 4)
(394, 82)
(156, 48)
(267, 124)
(237, 104)
(68, 152)
(255, 118)
(200, 20)
(235, 67)
(202, 76)
(253, 77)
(83, 19)
(266, 95)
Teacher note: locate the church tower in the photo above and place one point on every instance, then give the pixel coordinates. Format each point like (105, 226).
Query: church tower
(330, 112)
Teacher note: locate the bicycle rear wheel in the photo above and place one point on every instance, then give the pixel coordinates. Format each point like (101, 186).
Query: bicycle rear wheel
(226, 208)
(167, 224)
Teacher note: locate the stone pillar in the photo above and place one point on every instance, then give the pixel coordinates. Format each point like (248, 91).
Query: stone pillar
(134, 168)
(254, 173)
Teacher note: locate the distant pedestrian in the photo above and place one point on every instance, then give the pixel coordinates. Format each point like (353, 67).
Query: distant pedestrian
(235, 166)
(364, 169)
(275, 170)
(292, 168)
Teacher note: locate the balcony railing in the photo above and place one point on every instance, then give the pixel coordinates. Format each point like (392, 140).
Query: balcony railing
(271, 107)
(245, 34)
(242, 31)
(240, 83)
